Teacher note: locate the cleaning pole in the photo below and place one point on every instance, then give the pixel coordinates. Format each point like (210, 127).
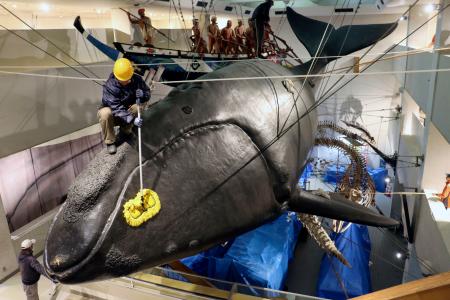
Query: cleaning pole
(138, 101)
(146, 204)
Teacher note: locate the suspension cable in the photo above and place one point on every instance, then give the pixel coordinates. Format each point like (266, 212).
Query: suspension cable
(49, 54)
(49, 41)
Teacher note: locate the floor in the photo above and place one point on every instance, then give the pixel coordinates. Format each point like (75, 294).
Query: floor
(12, 288)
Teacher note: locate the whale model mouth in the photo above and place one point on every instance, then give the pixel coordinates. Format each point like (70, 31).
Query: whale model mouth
(84, 238)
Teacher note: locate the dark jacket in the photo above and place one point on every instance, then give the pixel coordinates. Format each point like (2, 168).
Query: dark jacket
(119, 98)
(30, 268)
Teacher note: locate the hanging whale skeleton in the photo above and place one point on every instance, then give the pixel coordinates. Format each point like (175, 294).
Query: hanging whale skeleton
(219, 160)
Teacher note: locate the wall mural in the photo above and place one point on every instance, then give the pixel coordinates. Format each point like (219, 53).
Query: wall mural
(34, 181)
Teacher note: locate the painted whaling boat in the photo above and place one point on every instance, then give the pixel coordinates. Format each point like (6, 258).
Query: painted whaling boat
(178, 64)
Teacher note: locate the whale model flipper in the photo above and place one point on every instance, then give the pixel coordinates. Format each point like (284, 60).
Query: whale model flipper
(337, 207)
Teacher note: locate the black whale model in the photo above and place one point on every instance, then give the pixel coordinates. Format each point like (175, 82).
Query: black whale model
(207, 156)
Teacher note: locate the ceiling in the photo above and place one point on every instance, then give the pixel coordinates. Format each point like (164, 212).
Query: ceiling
(307, 7)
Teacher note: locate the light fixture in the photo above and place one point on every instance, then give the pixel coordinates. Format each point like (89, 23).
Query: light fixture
(403, 18)
(387, 179)
(429, 8)
(45, 7)
(14, 6)
(98, 11)
(398, 255)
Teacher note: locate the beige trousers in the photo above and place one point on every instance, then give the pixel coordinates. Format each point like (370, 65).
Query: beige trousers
(31, 291)
(108, 121)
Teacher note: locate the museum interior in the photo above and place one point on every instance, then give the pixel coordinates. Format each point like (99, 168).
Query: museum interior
(120, 177)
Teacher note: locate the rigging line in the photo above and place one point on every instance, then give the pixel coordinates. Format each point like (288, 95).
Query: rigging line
(170, 23)
(236, 12)
(241, 78)
(283, 17)
(250, 59)
(178, 16)
(392, 47)
(242, 15)
(49, 54)
(49, 41)
(320, 48)
(337, 275)
(374, 254)
(340, 50)
(201, 35)
(382, 55)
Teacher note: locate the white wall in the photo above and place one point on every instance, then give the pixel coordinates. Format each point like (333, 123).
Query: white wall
(437, 161)
(8, 263)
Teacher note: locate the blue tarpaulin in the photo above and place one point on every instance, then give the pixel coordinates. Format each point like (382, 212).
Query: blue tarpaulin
(334, 277)
(259, 257)
(334, 174)
(307, 171)
(379, 175)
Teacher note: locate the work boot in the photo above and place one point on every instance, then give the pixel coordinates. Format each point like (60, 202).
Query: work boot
(111, 148)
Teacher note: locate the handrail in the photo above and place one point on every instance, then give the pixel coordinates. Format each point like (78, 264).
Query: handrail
(433, 287)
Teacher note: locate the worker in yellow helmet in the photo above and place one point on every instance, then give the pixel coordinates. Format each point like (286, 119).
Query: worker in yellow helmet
(123, 91)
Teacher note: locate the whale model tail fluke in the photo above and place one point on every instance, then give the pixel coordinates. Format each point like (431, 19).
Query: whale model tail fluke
(105, 49)
(337, 42)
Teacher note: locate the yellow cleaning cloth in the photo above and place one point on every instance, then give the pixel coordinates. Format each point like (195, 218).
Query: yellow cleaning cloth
(140, 209)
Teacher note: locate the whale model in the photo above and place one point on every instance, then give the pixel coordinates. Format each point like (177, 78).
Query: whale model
(223, 157)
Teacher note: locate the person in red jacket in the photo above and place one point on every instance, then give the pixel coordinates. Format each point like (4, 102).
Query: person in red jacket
(445, 195)
(30, 269)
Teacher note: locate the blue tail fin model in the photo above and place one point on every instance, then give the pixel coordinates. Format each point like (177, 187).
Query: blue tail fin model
(105, 49)
(341, 41)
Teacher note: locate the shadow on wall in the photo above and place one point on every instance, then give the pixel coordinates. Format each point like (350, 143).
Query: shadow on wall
(34, 181)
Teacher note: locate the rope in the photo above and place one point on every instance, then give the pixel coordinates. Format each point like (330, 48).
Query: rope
(321, 100)
(48, 53)
(378, 58)
(140, 151)
(242, 78)
(323, 83)
(49, 41)
(401, 54)
(311, 67)
(178, 16)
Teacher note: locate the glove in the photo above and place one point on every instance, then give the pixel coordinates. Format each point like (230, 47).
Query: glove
(137, 122)
(139, 94)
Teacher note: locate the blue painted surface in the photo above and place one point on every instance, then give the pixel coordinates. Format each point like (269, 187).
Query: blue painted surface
(337, 281)
(259, 257)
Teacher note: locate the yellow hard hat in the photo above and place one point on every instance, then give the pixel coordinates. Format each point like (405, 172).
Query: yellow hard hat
(123, 70)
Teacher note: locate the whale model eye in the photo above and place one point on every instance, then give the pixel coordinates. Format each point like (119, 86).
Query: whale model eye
(187, 109)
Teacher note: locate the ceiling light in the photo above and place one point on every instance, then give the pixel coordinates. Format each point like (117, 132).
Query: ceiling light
(45, 7)
(429, 8)
(403, 18)
(398, 255)
(98, 11)
(14, 6)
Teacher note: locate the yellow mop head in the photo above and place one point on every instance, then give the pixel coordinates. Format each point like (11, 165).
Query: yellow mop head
(144, 206)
